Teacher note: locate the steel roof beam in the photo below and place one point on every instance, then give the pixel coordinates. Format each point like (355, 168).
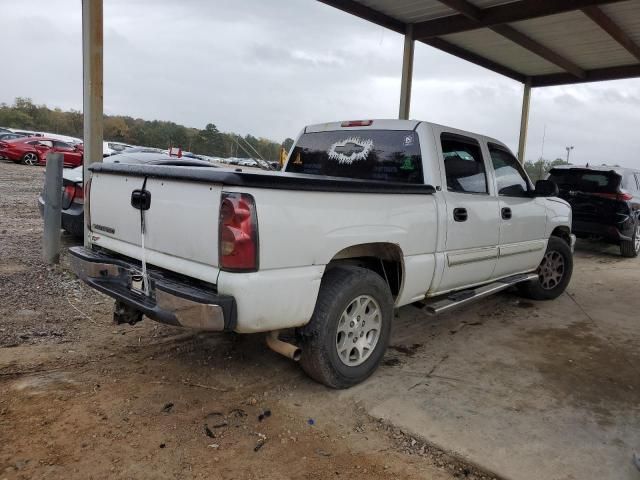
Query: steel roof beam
(596, 75)
(500, 14)
(379, 18)
(474, 58)
(367, 13)
(614, 31)
(476, 14)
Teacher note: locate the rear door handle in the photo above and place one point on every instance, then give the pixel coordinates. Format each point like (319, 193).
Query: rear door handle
(506, 213)
(460, 214)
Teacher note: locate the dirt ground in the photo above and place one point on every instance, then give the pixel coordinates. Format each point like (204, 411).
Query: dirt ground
(82, 398)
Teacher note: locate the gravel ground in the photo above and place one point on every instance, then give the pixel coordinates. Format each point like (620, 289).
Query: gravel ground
(82, 398)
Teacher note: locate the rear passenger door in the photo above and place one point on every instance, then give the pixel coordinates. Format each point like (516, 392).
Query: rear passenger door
(472, 216)
(523, 218)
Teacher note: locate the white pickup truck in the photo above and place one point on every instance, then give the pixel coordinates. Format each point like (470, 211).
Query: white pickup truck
(366, 217)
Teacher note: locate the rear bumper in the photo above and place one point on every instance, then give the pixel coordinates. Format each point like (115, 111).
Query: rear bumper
(608, 232)
(72, 218)
(171, 301)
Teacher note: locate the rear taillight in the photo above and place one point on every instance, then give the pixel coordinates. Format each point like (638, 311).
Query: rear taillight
(624, 196)
(356, 123)
(68, 192)
(78, 193)
(238, 233)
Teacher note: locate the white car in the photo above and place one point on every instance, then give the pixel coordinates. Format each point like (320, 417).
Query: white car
(366, 217)
(112, 148)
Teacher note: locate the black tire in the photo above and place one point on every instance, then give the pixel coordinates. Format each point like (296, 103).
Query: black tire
(534, 289)
(631, 248)
(340, 287)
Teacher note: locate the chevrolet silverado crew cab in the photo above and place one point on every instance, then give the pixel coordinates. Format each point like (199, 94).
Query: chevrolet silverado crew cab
(366, 216)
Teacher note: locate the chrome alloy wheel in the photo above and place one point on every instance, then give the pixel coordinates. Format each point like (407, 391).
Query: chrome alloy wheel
(636, 240)
(30, 158)
(358, 330)
(551, 270)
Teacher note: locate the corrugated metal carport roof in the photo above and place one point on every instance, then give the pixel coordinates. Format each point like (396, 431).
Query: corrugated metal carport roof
(544, 42)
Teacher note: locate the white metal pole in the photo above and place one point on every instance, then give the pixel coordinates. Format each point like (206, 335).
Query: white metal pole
(407, 73)
(524, 120)
(92, 63)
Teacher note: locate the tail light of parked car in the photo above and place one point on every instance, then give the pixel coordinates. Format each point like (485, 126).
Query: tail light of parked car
(238, 233)
(72, 193)
(623, 196)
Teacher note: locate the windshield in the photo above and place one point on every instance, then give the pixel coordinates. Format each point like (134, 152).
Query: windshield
(386, 155)
(587, 181)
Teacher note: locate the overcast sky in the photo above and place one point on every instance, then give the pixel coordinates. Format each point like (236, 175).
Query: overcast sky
(270, 67)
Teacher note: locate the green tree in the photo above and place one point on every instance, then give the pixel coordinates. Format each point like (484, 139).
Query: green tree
(24, 114)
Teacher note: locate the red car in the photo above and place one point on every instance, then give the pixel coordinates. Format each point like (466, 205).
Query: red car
(34, 150)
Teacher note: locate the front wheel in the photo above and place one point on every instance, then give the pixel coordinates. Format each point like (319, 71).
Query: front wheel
(631, 248)
(349, 331)
(30, 158)
(554, 272)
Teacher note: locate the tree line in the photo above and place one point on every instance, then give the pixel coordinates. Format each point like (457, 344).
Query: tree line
(24, 114)
(539, 169)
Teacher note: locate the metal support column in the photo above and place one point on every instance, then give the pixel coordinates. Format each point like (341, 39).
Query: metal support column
(52, 208)
(407, 73)
(92, 65)
(524, 120)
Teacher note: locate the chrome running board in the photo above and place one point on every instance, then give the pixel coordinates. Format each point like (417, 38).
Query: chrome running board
(464, 297)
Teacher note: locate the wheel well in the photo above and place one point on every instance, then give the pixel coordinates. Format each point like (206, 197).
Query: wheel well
(562, 232)
(383, 258)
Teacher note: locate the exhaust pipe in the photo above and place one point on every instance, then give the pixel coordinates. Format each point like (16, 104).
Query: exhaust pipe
(283, 348)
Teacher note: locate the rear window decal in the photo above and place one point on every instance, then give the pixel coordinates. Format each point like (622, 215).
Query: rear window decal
(407, 164)
(350, 150)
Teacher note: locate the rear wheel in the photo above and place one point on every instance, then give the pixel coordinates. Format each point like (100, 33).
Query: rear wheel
(30, 158)
(631, 248)
(554, 272)
(349, 331)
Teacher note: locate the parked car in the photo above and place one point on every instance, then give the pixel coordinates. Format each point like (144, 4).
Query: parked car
(141, 150)
(34, 150)
(72, 202)
(112, 148)
(10, 135)
(367, 217)
(605, 202)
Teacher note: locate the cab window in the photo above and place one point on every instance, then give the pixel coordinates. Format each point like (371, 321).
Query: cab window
(463, 164)
(510, 177)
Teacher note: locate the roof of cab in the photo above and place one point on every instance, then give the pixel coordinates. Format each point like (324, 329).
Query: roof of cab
(390, 124)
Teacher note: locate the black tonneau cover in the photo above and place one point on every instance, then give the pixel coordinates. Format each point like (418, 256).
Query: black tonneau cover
(275, 180)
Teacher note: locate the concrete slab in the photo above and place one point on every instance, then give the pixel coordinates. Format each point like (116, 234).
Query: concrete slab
(528, 390)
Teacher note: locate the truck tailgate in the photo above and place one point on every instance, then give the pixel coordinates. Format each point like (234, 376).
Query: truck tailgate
(182, 220)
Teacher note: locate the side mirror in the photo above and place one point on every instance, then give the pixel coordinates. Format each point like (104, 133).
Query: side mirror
(546, 188)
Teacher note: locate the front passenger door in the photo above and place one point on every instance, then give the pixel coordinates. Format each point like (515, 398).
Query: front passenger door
(471, 247)
(523, 217)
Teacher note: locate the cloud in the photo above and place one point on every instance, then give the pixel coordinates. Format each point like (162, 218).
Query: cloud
(270, 67)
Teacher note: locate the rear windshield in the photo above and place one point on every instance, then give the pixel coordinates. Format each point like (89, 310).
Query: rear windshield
(588, 181)
(386, 155)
